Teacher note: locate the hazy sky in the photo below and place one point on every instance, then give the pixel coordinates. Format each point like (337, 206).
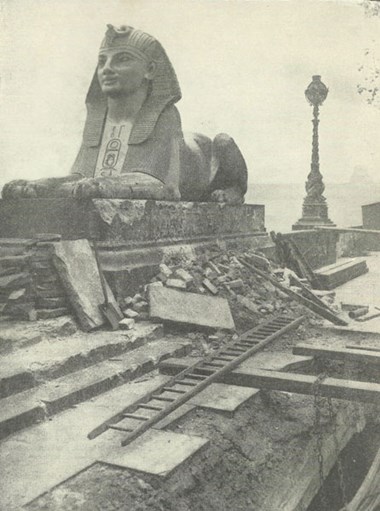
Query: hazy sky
(243, 67)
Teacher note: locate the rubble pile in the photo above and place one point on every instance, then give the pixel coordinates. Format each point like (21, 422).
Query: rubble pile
(16, 290)
(30, 288)
(251, 298)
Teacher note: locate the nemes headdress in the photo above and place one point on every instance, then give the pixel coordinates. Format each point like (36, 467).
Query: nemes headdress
(165, 89)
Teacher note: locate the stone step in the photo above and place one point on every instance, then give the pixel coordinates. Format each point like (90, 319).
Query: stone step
(53, 357)
(337, 274)
(34, 405)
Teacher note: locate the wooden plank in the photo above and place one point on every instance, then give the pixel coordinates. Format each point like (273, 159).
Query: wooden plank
(304, 384)
(321, 311)
(310, 295)
(361, 356)
(347, 229)
(299, 384)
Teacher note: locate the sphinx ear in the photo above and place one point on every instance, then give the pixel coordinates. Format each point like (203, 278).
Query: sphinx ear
(151, 72)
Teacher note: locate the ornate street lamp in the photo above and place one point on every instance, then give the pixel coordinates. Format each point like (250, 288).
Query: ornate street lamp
(314, 209)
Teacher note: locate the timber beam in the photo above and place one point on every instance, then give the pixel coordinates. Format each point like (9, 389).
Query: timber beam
(337, 388)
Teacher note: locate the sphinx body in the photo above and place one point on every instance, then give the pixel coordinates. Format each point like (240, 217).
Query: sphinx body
(133, 144)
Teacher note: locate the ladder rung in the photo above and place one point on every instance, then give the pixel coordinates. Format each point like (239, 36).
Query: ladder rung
(188, 383)
(137, 417)
(119, 428)
(169, 389)
(212, 364)
(159, 398)
(224, 358)
(196, 376)
(150, 407)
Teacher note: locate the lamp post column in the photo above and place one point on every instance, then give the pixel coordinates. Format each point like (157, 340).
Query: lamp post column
(314, 209)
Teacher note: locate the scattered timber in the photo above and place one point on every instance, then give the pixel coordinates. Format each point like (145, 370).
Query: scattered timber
(352, 355)
(321, 311)
(350, 390)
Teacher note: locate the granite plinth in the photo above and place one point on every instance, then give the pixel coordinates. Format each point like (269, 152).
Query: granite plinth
(127, 221)
(134, 236)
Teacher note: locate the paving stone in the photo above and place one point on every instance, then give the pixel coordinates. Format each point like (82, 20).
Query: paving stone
(223, 397)
(76, 265)
(145, 454)
(190, 308)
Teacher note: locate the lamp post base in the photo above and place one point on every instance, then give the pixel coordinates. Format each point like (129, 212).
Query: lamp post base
(313, 214)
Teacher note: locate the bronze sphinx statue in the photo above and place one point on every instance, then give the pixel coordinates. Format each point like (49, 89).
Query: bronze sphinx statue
(133, 144)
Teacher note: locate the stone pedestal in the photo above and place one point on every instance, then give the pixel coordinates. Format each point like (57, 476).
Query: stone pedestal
(134, 236)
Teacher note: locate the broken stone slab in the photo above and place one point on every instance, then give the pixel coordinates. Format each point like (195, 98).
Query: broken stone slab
(77, 268)
(190, 308)
(145, 454)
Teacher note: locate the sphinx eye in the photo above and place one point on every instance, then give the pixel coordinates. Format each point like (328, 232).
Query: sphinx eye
(101, 61)
(124, 57)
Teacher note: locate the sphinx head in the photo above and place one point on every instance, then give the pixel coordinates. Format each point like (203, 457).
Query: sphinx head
(126, 61)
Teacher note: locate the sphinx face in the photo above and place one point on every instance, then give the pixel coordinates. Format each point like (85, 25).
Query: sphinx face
(120, 73)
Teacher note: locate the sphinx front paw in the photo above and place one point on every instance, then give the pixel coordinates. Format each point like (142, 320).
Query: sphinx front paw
(87, 189)
(229, 196)
(19, 189)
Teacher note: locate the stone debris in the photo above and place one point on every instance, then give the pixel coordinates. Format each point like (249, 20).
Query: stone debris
(130, 313)
(176, 283)
(184, 275)
(209, 286)
(165, 271)
(127, 324)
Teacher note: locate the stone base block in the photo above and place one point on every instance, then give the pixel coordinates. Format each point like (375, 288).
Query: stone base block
(127, 221)
(337, 274)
